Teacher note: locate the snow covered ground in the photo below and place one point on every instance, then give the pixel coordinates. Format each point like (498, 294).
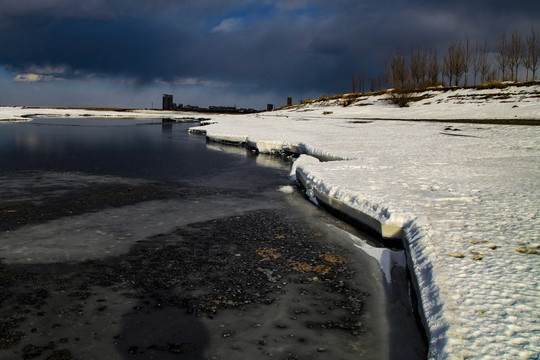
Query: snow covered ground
(510, 103)
(22, 113)
(465, 198)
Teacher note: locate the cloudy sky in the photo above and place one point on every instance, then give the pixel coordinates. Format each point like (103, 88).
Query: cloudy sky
(127, 53)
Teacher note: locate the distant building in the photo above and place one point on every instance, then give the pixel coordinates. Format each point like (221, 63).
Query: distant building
(222, 109)
(289, 101)
(168, 102)
(269, 107)
(169, 105)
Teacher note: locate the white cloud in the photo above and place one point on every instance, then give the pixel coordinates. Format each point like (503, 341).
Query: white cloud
(30, 77)
(41, 73)
(229, 25)
(35, 69)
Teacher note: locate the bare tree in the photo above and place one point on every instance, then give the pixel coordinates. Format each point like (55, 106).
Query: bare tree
(353, 80)
(454, 62)
(397, 74)
(526, 60)
(462, 66)
(361, 83)
(515, 53)
(502, 54)
(377, 83)
(491, 75)
(417, 66)
(531, 56)
(446, 73)
(480, 62)
(475, 61)
(434, 67)
(466, 58)
(485, 63)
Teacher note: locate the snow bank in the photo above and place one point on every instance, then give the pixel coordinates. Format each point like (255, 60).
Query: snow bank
(465, 198)
(511, 103)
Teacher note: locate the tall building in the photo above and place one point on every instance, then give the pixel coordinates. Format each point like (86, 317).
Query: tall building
(168, 102)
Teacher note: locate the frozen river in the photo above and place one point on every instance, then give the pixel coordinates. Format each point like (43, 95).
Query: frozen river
(132, 239)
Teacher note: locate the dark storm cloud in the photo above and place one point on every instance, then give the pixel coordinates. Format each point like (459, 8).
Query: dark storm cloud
(294, 45)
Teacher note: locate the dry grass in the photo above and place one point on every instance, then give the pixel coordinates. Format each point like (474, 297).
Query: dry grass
(304, 268)
(492, 85)
(301, 267)
(333, 259)
(268, 254)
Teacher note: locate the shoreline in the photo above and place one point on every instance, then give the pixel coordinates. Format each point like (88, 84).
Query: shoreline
(388, 233)
(426, 255)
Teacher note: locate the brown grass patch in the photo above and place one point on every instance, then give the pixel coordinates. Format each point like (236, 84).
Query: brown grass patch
(268, 254)
(301, 267)
(304, 268)
(333, 259)
(322, 269)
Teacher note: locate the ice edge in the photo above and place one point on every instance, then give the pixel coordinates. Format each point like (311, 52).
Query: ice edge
(415, 241)
(412, 233)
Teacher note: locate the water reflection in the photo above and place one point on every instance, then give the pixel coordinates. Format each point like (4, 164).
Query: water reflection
(166, 127)
(147, 149)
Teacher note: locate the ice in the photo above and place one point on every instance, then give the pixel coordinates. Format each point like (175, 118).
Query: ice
(113, 231)
(21, 113)
(387, 258)
(286, 189)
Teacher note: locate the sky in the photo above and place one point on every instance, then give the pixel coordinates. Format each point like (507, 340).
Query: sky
(245, 53)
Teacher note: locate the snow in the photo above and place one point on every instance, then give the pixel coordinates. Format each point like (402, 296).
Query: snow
(463, 197)
(21, 113)
(494, 104)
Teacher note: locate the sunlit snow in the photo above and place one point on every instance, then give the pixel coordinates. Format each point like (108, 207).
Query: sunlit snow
(466, 195)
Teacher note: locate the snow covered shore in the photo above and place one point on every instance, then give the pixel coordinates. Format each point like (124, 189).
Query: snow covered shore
(510, 103)
(22, 113)
(464, 198)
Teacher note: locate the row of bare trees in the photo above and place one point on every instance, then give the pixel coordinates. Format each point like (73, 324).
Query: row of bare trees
(513, 51)
(463, 60)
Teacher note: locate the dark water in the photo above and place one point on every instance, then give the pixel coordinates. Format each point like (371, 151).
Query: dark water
(131, 239)
(147, 149)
